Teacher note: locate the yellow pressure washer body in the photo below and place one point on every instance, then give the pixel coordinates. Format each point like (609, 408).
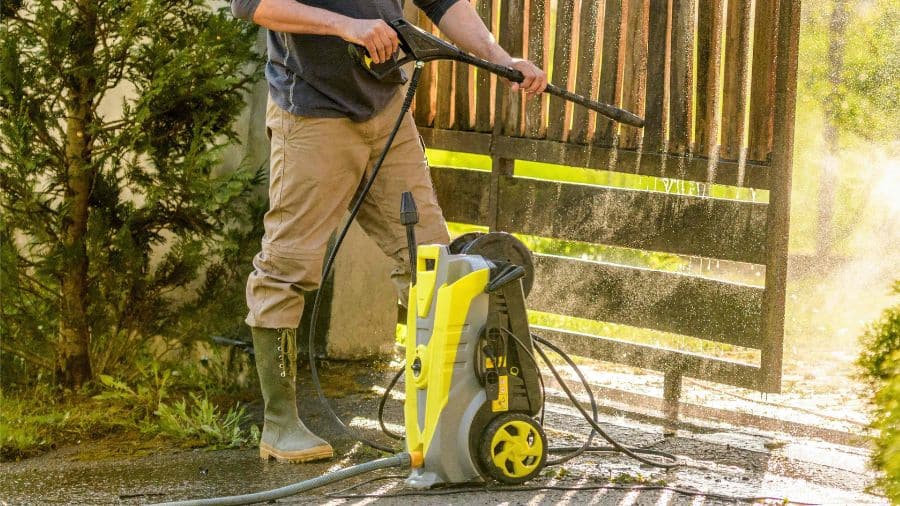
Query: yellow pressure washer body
(472, 386)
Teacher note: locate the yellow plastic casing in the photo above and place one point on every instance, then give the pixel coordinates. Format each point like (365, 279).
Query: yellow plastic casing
(439, 354)
(425, 279)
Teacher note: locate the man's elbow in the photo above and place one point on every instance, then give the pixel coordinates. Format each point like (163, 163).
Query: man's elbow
(435, 9)
(244, 9)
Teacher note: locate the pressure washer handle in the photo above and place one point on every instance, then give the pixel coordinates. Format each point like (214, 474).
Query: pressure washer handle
(620, 115)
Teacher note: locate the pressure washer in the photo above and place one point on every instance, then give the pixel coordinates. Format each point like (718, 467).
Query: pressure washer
(474, 391)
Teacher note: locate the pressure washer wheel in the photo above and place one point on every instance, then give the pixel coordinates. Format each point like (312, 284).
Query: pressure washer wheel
(497, 246)
(513, 448)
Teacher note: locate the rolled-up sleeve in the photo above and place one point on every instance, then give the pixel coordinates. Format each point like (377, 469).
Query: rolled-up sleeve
(434, 9)
(244, 9)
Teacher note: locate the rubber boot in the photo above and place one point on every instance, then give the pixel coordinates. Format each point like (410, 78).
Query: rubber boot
(284, 437)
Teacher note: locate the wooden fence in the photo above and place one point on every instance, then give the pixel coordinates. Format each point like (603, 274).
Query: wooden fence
(715, 81)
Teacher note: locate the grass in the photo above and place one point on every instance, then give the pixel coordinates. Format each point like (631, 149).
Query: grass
(157, 409)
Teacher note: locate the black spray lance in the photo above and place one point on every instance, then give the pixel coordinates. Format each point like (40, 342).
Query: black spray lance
(419, 45)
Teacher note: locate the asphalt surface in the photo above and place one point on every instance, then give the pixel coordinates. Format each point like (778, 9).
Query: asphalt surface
(719, 465)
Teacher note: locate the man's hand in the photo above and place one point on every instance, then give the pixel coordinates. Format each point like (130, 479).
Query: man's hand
(535, 79)
(379, 39)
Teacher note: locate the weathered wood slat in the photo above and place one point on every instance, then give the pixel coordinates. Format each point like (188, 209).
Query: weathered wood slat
(709, 59)
(596, 157)
(462, 194)
(425, 93)
(635, 69)
(610, 91)
(588, 32)
(654, 117)
(665, 301)
(658, 359)
(762, 85)
(780, 195)
(443, 116)
(538, 19)
(682, 85)
(512, 38)
(462, 96)
(558, 124)
(453, 140)
(648, 220)
(483, 78)
(734, 98)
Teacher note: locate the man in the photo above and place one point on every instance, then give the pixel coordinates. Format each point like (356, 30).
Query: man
(327, 120)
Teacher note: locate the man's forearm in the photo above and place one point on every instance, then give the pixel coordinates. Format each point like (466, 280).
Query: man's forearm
(290, 16)
(462, 25)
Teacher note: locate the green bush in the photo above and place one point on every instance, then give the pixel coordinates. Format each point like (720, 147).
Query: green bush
(880, 361)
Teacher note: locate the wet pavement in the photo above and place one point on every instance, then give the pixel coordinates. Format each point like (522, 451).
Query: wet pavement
(720, 465)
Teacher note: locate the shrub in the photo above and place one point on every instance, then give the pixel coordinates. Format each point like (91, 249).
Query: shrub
(116, 222)
(880, 362)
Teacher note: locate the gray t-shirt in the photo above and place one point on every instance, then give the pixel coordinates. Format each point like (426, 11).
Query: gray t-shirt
(314, 75)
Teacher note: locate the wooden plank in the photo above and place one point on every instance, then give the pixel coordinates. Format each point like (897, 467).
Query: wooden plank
(462, 194)
(655, 221)
(512, 38)
(709, 60)
(665, 301)
(610, 91)
(780, 194)
(538, 19)
(656, 103)
(483, 78)
(443, 115)
(574, 155)
(558, 123)
(453, 140)
(588, 32)
(762, 85)
(658, 359)
(597, 157)
(734, 95)
(462, 96)
(681, 87)
(426, 92)
(635, 69)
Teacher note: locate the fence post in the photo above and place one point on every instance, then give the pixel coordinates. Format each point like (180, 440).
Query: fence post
(671, 396)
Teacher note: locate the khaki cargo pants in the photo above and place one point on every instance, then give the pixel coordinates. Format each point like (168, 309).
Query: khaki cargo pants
(316, 168)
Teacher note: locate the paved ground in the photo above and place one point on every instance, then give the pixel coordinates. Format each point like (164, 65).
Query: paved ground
(717, 459)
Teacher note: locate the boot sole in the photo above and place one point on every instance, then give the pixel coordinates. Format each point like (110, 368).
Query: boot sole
(295, 457)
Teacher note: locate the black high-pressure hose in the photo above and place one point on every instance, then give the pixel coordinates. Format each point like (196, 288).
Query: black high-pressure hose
(631, 452)
(329, 263)
(573, 451)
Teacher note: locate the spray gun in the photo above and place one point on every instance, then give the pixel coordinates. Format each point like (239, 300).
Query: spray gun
(419, 45)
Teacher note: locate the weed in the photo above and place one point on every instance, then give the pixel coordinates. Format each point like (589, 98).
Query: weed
(199, 423)
(35, 420)
(636, 479)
